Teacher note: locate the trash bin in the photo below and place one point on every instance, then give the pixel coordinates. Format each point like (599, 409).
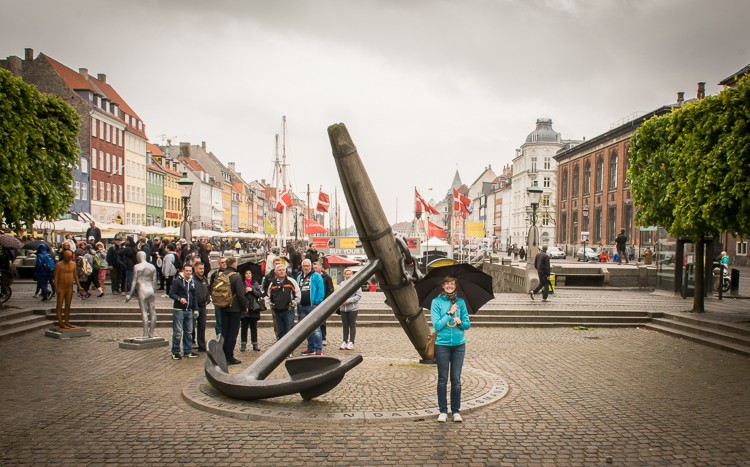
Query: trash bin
(734, 280)
(552, 282)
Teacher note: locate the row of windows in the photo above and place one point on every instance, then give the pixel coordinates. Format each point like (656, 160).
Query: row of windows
(595, 221)
(154, 200)
(108, 192)
(106, 132)
(133, 218)
(135, 194)
(106, 162)
(134, 169)
(81, 190)
(612, 168)
(154, 178)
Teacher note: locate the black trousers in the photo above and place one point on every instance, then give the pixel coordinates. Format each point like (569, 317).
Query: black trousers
(230, 328)
(114, 277)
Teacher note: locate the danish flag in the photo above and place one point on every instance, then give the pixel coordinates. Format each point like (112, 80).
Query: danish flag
(461, 203)
(323, 202)
(421, 203)
(285, 200)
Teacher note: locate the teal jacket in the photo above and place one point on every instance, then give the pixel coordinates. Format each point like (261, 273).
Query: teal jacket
(446, 335)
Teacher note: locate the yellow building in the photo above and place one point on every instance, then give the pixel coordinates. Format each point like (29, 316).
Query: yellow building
(226, 199)
(172, 195)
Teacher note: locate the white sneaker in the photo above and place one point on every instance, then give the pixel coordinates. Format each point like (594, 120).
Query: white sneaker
(443, 417)
(350, 346)
(545, 299)
(343, 346)
(457, 418)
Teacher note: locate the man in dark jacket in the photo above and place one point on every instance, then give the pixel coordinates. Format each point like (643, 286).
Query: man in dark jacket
(284, 294)
(128, 258)
(184, 307)
(621, 242)
(95, 232)
(116, 268)
(230, 316)
(202, 299)
(541, 263)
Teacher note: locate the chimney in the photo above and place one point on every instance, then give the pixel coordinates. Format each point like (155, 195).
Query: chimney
(101, 77)
(184, 149)
(231, 166)
(28, 54)
(680, 97)
(84, 72)
(701, 90)
(203, 145)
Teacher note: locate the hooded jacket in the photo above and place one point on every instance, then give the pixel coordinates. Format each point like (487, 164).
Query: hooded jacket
(43, 257)
(450, 336)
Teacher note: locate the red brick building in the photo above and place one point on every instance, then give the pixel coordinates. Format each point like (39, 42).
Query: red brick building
(593, 194)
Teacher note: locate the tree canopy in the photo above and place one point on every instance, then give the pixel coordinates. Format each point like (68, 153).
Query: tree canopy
(38, 147)
(690, 169)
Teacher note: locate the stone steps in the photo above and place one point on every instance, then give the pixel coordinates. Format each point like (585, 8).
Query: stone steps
(16, 322)
(713, 333)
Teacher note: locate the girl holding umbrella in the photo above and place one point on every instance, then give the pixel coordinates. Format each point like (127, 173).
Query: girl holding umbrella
(450, 319)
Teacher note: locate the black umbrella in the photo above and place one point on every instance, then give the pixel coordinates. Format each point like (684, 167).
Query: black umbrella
(473, 285)
(252, 267)
(32, 245)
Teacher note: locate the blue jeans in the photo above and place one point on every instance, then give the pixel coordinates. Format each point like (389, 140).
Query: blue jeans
(217, 326)
(182, 328)
(285, 321)
(41, 283)
(314, 340)
(449, 356)
(199, 328)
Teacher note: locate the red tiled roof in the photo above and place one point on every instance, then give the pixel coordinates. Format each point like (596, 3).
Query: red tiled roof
(154, 149)
(155, 167)
(239, 187)
(73, 79)
(193, 164)
(110, 92)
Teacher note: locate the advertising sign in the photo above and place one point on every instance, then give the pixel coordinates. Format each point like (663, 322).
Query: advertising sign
(474, 229)
(339, 245)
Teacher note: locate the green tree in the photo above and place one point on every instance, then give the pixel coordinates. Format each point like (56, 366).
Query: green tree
(38, 147)
(690, 171)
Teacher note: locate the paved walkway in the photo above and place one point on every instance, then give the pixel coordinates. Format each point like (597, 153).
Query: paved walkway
(628, 396)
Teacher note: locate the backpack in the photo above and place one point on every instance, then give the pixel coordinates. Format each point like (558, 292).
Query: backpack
(97, 262)
(48, 263)
(177, 262)
(221, 293)
(85, 267)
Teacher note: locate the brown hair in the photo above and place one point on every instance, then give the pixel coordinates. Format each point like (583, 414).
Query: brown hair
(231, 261)
(447, 279)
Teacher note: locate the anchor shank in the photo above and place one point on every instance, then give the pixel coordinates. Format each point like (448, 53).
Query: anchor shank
(272, 358)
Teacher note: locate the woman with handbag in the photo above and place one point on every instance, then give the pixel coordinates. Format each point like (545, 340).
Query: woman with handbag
(251, 314)
(450, 319)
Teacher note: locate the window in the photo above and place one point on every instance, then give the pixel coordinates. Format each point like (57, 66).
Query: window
(613, 170)
(78, 190)
(598, 225)
(101, 160)
(93, 189)
(547, 163)
(93, 127)
(533, 165)
(627, 218)
(576, 181)
(84, 191)
(119, 198)
(109, 133)
(574, 236)
(587, 178)
(627, 165)
(94, 158)
(611, 224)
(101, 192)
(109, 192)
(564, 227)
(599, 173)
(106, 159)
(84, 165)
(101, 130)
(742, 248)
(545, 200)
(564, 193)
(547, 182)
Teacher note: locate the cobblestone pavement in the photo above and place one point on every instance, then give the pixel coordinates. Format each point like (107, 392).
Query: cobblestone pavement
(627, 396)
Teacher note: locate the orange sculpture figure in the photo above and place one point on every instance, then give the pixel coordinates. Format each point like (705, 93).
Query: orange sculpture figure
(65, 276)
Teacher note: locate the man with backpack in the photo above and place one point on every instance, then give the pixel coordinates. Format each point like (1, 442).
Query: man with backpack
(228, 293)
(169, 266)
(284, 294)
(45, 267)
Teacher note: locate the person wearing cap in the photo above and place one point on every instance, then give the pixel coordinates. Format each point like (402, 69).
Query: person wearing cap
(94, 232)
(116, 267)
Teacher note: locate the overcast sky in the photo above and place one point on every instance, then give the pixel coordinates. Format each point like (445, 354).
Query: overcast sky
(424, 87)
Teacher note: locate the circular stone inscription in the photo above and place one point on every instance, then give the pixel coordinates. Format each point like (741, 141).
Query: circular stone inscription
(377, 389)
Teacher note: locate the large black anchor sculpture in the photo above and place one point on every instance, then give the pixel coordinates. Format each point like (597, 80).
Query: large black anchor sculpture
(389, 261)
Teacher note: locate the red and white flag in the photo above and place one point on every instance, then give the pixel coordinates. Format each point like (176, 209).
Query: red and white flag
(461, 203)
(424, 204)
(285, 200)
(324, 201)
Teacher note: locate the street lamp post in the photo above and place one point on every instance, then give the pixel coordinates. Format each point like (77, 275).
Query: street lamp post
(585, 235)
(186, 187)
(535, 194)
